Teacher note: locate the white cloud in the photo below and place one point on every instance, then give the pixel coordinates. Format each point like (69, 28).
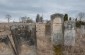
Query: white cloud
(30, 8)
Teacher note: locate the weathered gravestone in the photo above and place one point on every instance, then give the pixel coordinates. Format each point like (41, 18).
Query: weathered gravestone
(43, 43)
(69, 33)
(57, 33)
(24, 40)
(6, 47)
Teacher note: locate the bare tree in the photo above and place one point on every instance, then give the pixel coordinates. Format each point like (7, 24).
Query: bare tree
(8, 17)
(23, 19)
(81, 15)
(29, 20)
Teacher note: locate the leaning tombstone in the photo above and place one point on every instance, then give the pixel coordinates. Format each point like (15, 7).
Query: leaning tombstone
(6, 47)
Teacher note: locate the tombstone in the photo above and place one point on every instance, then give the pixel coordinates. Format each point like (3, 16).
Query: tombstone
(6, 47)
(82, 29)
(24, 42)
(57, 33)
(43, 43)
(69, 33)
(69, 37)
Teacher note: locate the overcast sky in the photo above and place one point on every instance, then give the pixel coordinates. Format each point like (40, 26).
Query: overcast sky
(19, 8)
